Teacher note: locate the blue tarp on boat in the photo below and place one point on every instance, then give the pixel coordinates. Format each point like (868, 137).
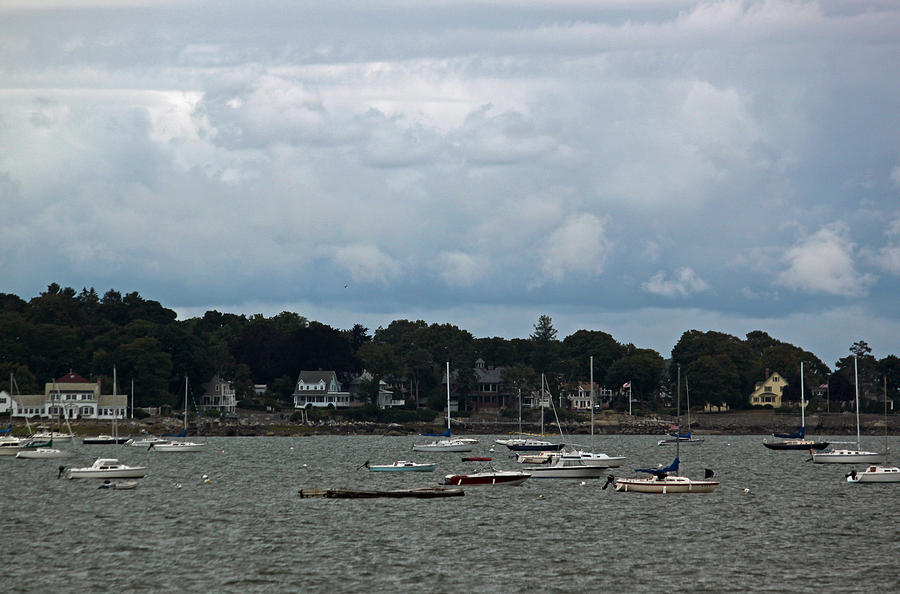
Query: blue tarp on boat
(444, 434)
(7, 430)
(660, 471)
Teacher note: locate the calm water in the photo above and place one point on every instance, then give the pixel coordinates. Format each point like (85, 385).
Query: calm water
(801, 528)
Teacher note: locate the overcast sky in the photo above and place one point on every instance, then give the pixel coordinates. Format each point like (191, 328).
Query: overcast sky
(641, 168)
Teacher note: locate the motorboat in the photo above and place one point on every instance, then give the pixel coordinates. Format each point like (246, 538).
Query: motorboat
(663, 481)
(10, 446)
(679, 439)
(39, 453)
(535, 457)
(57, 436)
(487, 478)
(566, 466)
(447, 445)
(146, 441)
(107, 468)
(104, 440)
(875, 474)
(402, 466)
(177, 446)
(598, 459)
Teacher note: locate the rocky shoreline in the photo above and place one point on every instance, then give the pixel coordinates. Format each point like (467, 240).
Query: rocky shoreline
(729, 423)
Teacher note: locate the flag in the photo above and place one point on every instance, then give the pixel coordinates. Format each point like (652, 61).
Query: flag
(626, 385)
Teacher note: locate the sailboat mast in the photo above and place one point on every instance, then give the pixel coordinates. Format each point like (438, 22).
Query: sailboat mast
(885, 423)
(185, 403)
(115, 409)
(802, 408)
(448, 395)
(678, 409)
(592, 403)
(856, 381)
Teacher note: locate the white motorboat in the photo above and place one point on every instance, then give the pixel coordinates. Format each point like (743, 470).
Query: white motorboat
(598, 459)
(566, 466)
(848, 456)
(875, 474)
(38, 453)
(177, 446)
(146, 441)
(57, 436)
(447, 445)
(402, 466)
(107, 468)
(10, 446)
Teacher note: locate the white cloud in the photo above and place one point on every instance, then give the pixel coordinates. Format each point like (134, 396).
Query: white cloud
(460, 269)
(823, 263)
(579, 246)
(366, 263)
(888, 257)
(684, 282)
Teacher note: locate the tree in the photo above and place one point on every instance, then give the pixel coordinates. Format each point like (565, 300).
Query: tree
(544, 330)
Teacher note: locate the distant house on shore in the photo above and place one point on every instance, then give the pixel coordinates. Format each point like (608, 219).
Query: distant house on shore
(219, 394)
(71, 396)
(769, 392)
(319, 389)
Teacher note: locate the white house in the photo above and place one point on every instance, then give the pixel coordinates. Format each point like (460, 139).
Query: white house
(319, 389)
(71, 396)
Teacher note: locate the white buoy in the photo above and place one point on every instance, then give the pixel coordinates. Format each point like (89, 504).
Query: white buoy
(177, 485)
(746, 490)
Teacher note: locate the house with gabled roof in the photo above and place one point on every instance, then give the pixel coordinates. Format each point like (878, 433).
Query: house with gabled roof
(71, 396)
(769, 391)
(319, 389)
(219, 394)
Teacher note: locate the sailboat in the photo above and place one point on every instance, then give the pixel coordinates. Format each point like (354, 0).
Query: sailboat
(875, 473)
(104, 439)
(592, 458)
(666, 480)
(180, 446)
(857, 456)
(679, 437)
(796, 440)
(530, 444)
(448, 444)
(45, 433)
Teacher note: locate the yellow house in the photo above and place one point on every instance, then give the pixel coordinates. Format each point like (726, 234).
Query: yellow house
(769, 392)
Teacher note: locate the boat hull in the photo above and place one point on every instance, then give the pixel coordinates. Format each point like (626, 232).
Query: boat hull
(104, 440)
(486, 479)
(875, 474)
(847, 457)
(798, 444)
(40, 453)
(180, 446)
(665, 486)
(445, 446)
(90, 473)
(402, 467)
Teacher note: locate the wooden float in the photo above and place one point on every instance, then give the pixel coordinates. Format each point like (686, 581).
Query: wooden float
(423, 493)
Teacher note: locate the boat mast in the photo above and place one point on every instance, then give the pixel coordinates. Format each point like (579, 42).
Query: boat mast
(448, 395)
(592, 403)
(678, 409)
(856, 381)
(802, 408)
(885, 423)
(115, 410)
(185, 403)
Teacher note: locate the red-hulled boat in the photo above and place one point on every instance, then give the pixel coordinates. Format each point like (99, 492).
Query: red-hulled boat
(488, 477)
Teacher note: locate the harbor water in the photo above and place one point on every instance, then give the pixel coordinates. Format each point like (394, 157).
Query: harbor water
(777, 523)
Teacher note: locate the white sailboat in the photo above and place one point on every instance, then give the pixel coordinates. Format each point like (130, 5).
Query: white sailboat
(180, 446)
(531, 444)
(666, 480)
(44, 433)
(796, 440)
(857, 456)
(104, 439)
(876, 473)
(591, 457)
(449, 444)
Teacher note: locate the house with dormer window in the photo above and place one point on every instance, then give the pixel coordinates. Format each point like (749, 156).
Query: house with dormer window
(319, 389)
(768, 392)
